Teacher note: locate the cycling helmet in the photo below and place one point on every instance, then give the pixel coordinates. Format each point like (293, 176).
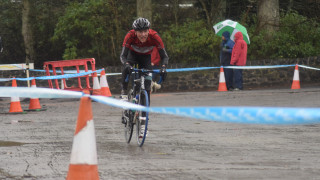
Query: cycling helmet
(141, 24)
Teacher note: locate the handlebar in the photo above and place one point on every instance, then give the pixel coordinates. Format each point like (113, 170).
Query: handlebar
(147, 71)
(157, 71)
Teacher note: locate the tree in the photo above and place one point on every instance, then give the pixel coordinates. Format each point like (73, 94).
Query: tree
(10, 32)
(27, 32)
(215, 10)
(144, 9)
(94, 29)
(268, 15)
(44, 17)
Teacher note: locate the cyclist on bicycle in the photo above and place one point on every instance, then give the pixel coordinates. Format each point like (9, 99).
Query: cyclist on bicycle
(136, 49)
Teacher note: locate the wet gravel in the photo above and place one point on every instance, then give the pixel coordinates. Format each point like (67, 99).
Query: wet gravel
(37, 145)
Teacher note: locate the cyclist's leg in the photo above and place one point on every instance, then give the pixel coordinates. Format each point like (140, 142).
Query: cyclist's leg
(145, 63)
(125, 74)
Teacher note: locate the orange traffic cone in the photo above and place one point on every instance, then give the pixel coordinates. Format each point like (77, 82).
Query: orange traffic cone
(296, 79)
(96, 90)
(15, 105)
(105, 90)
(34, 102)
(83, 163)
(222, 81)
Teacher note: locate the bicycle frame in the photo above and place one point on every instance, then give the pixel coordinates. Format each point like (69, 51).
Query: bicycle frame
(138, 95)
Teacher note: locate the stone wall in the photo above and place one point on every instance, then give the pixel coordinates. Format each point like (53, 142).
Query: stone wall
(208, 79)
(252, 79)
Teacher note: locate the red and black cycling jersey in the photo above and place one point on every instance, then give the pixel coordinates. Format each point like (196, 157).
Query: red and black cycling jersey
(131, 42)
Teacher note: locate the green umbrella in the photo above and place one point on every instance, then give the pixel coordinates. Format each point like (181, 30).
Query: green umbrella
(233, 27)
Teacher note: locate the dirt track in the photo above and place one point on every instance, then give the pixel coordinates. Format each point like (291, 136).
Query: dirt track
(177, 148)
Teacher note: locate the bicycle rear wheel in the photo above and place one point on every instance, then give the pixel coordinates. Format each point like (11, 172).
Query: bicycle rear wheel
(140, 116)
(128, 115)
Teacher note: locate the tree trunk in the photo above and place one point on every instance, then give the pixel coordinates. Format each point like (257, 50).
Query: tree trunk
(290, 5)
(204, 7)
(116, 30)
(268, 15)
(215, 10)
(176, 12)
(218, 10)
(144, 9)
(27, 32)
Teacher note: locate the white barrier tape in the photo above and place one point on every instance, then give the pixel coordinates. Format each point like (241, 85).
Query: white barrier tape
(5, 79)
(22, 66)
(116, 103)
(38, 93)
(249, 115)
(113, 74)
(308, 67)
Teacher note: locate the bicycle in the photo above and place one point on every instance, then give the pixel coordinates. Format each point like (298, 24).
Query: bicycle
(138, 95)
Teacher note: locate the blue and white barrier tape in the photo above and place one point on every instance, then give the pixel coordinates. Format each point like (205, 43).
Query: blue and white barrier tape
(258, 67)
(248, 115)
(308, 67)
(37, 70)
(65, 76)
(191, 69)
(72, 72)
(59, 71)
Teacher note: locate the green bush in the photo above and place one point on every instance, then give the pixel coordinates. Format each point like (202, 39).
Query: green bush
(192, 42)
(93, 29)
(297, 37)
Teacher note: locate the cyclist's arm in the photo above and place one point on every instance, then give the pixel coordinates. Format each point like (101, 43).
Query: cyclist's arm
(164, 57)
(124, 54)
(162, 52)
(125, 46)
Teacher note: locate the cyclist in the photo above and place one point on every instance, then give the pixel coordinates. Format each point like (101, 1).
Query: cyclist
(136, 49)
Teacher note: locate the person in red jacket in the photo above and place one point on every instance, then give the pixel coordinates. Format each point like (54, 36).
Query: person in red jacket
(239, 58)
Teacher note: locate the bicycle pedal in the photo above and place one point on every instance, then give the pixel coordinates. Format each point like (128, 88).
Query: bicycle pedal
(124, 120)
(123, 98)
(142, 118)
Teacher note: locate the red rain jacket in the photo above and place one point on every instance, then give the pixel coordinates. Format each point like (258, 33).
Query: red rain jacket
(239, 52)
(132, 42)
(155, 57)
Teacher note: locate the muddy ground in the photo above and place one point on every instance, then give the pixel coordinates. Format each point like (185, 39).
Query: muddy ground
(37, 145)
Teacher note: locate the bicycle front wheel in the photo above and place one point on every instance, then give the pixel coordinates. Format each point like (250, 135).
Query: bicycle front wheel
(142, 118)
(128, 115)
